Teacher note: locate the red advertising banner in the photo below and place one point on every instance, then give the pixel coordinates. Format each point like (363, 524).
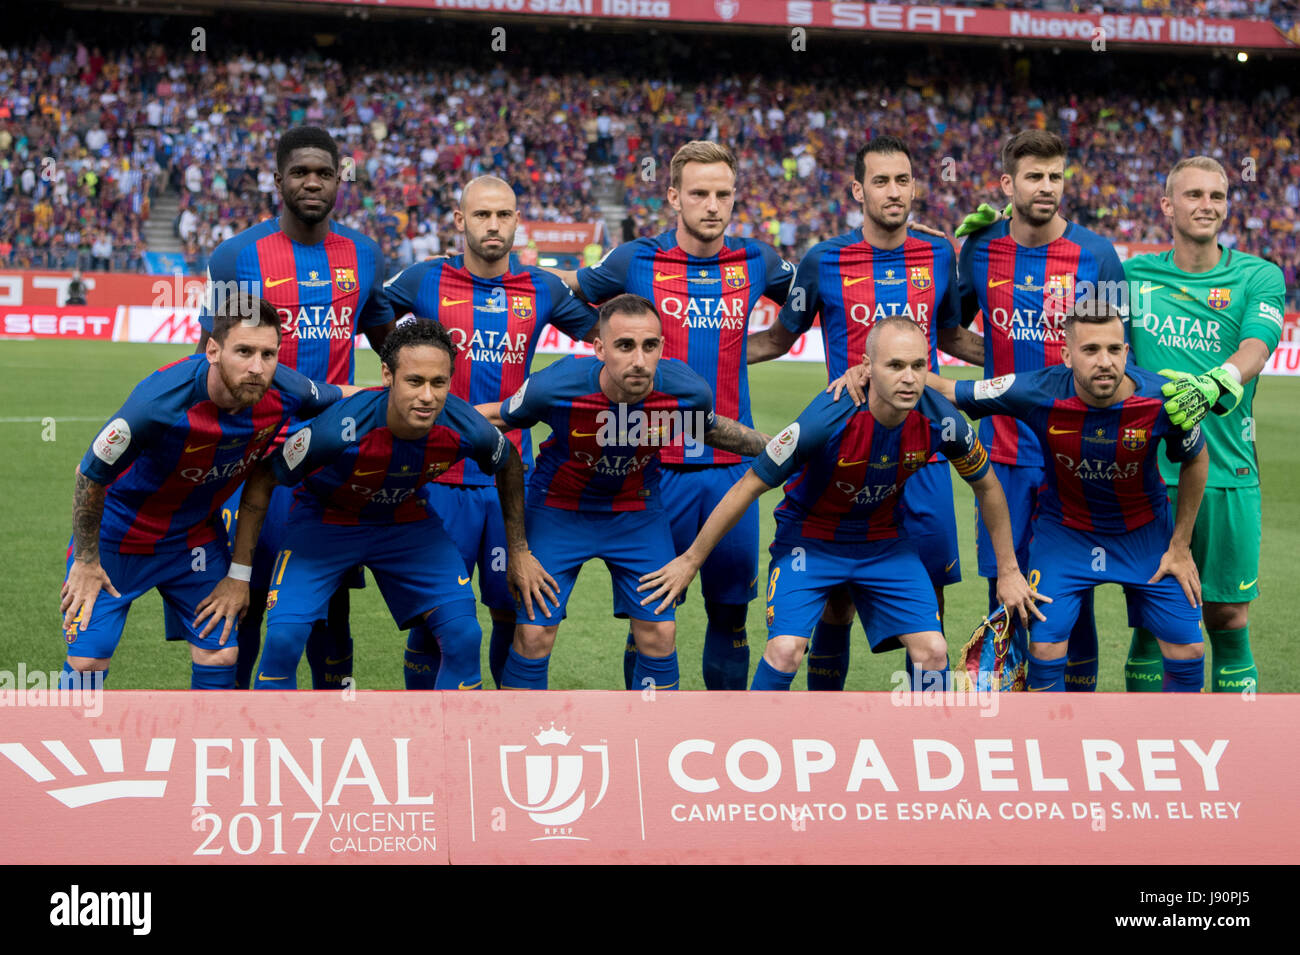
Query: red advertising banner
(103, 289)
(77, 322)
(591, 776)
(559, 236)
(889, 18)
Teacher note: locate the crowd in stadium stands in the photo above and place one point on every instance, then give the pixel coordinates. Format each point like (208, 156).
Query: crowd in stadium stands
(1284, 13)
(88, 139)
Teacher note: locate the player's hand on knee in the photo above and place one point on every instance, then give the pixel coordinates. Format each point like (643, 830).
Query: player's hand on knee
(529, 581)
(854, 381)
(228, 601)
(669, 581)
(1019, 598)
(1177, 562)
(81, 590)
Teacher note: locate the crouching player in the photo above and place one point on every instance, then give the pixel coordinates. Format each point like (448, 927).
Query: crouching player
(150, 489)
(844, 467)
(1103, 512)
(361, 467)
(595, 491)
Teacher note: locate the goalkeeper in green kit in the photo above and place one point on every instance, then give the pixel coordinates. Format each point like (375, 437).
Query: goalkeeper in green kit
(1208, 318)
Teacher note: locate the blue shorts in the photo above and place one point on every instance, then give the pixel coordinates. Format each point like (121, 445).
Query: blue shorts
(928, 517)
(1020, 485)
(1066, 564)
(890, 587)
(688, 496)
(471, 516)
(183, 578)
(415, 564)
(631, 543)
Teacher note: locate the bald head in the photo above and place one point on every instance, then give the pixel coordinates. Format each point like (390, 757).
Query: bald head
(494, 184)
(488, 217)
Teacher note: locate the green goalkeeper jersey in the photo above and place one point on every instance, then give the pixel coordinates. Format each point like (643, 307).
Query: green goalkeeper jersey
(1195, 321)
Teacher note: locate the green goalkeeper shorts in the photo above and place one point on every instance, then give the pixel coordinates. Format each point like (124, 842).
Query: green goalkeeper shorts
(1225, 543)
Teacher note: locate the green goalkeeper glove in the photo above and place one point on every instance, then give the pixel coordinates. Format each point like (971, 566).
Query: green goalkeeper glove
(1192, 397)
(985, 215)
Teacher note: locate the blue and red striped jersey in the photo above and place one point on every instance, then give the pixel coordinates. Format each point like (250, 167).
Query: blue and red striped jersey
(844, 471)
(1025, 294)
(602, 455)
(1102, 474)
(852, 285)
(495, 324)
(170, 457)
(354, 470)
(325, 293)
(704, 305)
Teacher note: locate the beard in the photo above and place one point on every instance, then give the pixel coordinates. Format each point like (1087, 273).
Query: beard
(247, 391)
(695, 232)
(1031, 215)
(486, 253)
(312, 216)
(878, 217)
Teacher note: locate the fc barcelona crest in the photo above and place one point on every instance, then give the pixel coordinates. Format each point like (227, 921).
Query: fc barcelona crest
(1220, 297)
(1060, 286)
(733, 276)
(521, 306)
(1134, 439)
(919, 276)
(345, 279)
(913, 460)
(432, 472)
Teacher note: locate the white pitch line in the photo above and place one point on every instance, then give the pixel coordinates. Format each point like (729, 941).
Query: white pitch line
(42, 420)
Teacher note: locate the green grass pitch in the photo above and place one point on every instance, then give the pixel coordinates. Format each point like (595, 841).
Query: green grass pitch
(80, 385)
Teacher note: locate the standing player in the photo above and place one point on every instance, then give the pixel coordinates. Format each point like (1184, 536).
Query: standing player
(361, 467)
(495, 310)
(851, 282)
(1103, 513)
(150, 489)
(844, 468)
(1025, 274)
(703, 285)
(325, 280)
(597, 489)
(1215, 315)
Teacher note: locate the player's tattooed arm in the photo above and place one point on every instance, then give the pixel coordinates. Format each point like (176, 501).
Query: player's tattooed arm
(1177, 560)
(229, 598)
(528, 579)
(772, 342)
(729, 435)
(671, 580)
(962, 343)
(86, 576)
(1012, 588)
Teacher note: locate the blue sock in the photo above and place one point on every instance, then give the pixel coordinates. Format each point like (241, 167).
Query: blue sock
(278, 668)
(1081, 663)
(71, 679)
(250, 639)
(1046, 675)
(661, 671)
(629, 661)
(461, 640)
(726, 646)
(1184, 676)
(422, 659)
(503, 636)
(828, 656)
(768, 677)
(330, 657)
(204, 677)
(935, 681)
(522, 674)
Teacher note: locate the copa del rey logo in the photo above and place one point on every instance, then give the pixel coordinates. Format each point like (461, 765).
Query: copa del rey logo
(556, 780)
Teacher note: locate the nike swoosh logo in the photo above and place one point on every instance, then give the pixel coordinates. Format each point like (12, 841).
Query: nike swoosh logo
(1226, 672)
(953, 564)
(1082, 662)
(191, 449)
(1147, 287)
(1246, 585)
(849, 464)
(366, 473)
(449, 302)
(996, 282)
(850, 282)
(272, 283)
(1056, 430)
(268, 679)
(462, 580)
(660, 277)
(584, 434)
(474, 686)
(329, 662)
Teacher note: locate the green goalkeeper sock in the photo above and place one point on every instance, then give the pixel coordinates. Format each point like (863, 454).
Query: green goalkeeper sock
(1233, 666)
(1144, 668)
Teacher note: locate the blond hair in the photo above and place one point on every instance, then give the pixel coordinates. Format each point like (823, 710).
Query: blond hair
(701, 151)
(1206, 163)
